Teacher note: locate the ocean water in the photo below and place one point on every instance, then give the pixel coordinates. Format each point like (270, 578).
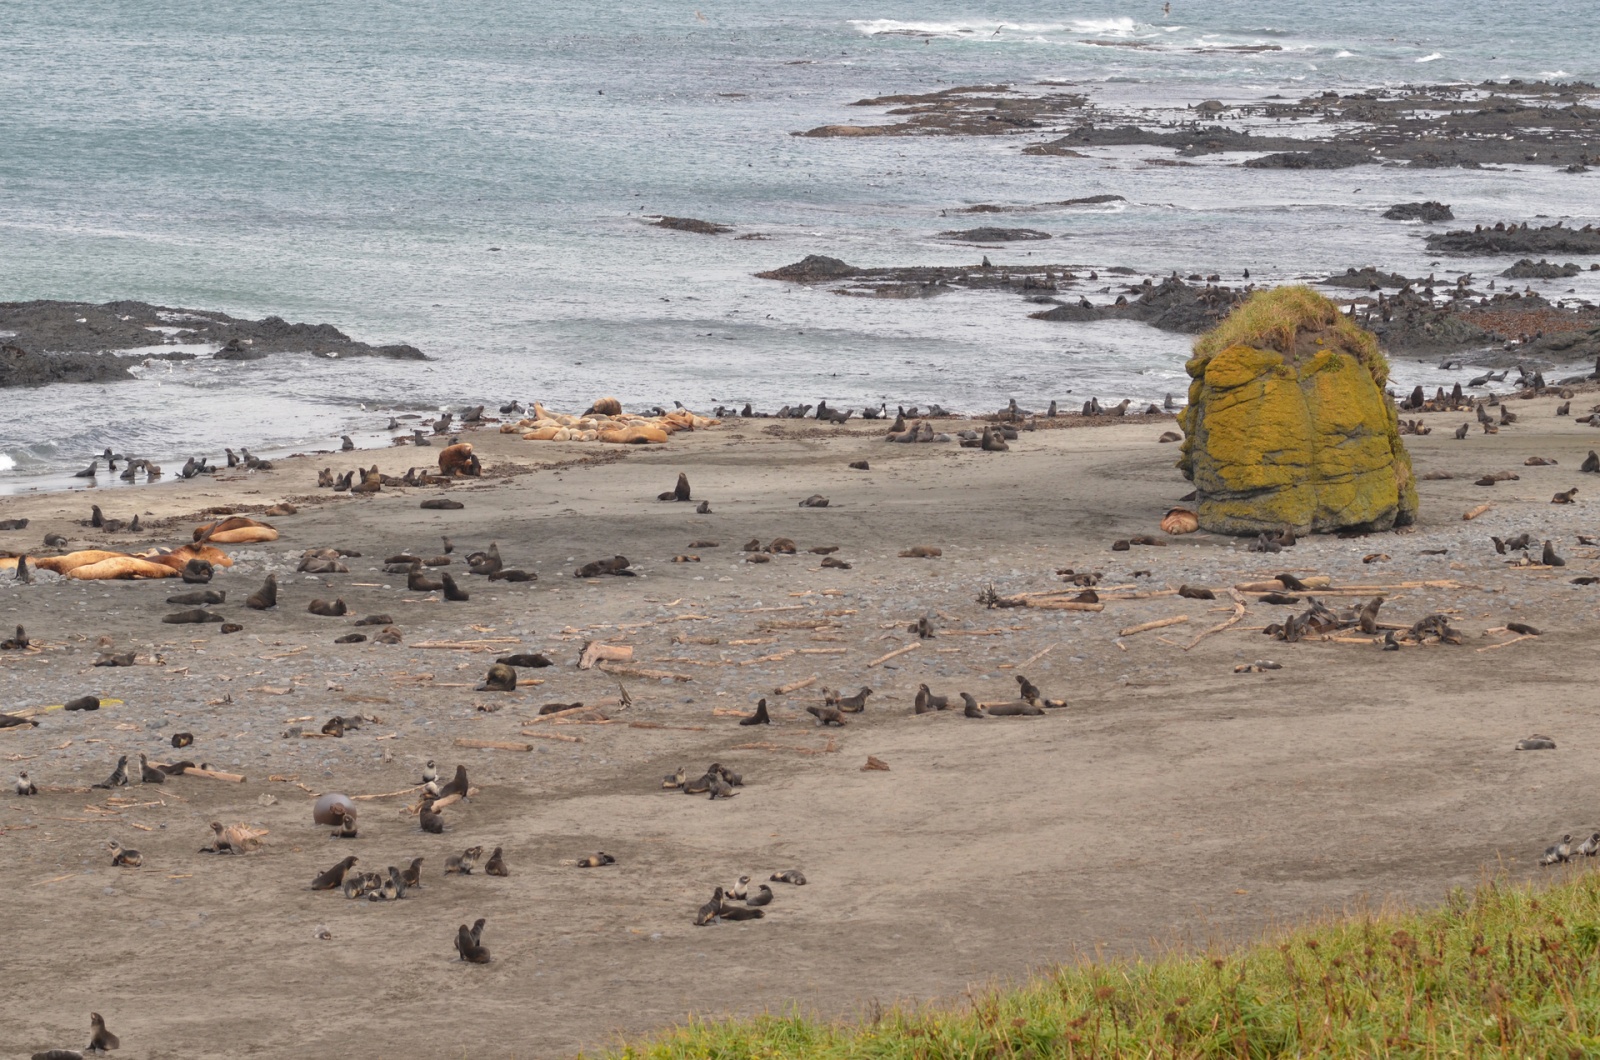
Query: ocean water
(472, 179)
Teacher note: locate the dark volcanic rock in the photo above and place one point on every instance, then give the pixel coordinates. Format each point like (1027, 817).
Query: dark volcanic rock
(18, 367)
(995, 235)
(813, 268)
(1527, 269)
(1171, 305)
(1316, 158)
(78, 327)
(1367, 278)
(1518, 239)
(1429, 212)
(693, 224)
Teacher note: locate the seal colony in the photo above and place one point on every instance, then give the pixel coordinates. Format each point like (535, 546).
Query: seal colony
(1005, 630)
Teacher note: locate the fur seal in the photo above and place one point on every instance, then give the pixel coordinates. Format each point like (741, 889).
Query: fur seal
(200, 598)
(333, 878)
(758, 557)
(122, 856)
(1550, 558)
(1557, 853)
(926, 701)
(411, 875)
(698, 786)
(595, 861)
(831, 562)
(1524, 629)
(418, 582)
(457, 784)
(336, 609)
(739, 912)
(443, 504)
(351, 638)
(816, 500)
(740, 888)
(532, 660)
(194, 616)
(719, 787)
(860, 465)
(1590, 846)
(430, 821)
(1536, 742)
(471, 951)
(855, 704)
(24, 786)
(826, 716)
(708, 912)
(82, 703)
(501, 678)
(264, 597)
(330, 808)
(452, 591)
(388, 635)
(1015, 708)
(676, 780)
(922, 627)
(680, 492)
(148, 774)
(763, 896)
(922, 552)
(346, 829)
(486, 562)
(794, 876)
(617, 565)
(1565, 497)
(972, 708)
(375, 620)
(496, 865)
(760, 717)
(101, 1040)
(463, 863)
(118, 777)
(16, 643)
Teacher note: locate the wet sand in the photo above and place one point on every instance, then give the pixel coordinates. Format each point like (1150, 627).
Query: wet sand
(1172, 799)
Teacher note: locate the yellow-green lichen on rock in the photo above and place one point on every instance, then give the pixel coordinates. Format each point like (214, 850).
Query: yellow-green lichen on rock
(1288, 424)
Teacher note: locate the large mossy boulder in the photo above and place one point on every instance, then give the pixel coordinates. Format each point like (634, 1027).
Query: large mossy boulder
(1288, 424)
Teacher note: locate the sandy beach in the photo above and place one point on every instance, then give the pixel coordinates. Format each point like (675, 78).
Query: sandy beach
(1172, 799)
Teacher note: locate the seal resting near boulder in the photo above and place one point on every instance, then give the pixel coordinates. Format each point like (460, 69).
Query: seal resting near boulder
(1180, 521)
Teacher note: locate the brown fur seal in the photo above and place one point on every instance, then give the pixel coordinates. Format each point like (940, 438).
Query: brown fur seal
(124, 857)
(972, 708)
(826, 716)
(388, 635)
(922, 552)
(333, 878)
(336, 609)
(857, 703)
(101, 1040)
(118, 777)
(617, 565)
(760, 717)
(82, 703)
(351, 638)
(673, 781)
(496, 865)
(452, 591)
(430, 821)
(1013, 708)
(680, 492)
(708, 912)
(148, 774)
(193, 616)
(346, 829)
(374, 620)
(816, 500)
(469, 948)
(794, 876)
(763, 896)
(199, 598)
(782, 546)
(501, 678)
(457, 784)
(264, 597)
(595, 861)
(463, 863)
(739, 912)
(459, 459)
(418, 582)
(411, 875)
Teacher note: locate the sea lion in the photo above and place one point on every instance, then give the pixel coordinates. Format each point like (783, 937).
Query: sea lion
(595, 861)
(457, 784)
(992, 442)
(333, 878)
(826, 716)
(459, 460)
(24, 786)
(411, 875)
(1536, 742)
(501, 678)
(430, 821)
(760, 717)
(194, 616)
(857, 703)
(763, 896)
(680, 492)
(452, 591)
(148, 774)
(123, 857)
(794, 876)
(469, 948)
(118, 777)
(496, 865)
(463, 863)
(265, 597)
(101, 1040)
(82, 703)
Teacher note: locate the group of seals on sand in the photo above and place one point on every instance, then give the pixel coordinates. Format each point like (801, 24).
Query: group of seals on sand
(717, 782)
(721, 908)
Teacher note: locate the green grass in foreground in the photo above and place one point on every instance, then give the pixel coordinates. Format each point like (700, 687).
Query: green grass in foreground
(1508, 971)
